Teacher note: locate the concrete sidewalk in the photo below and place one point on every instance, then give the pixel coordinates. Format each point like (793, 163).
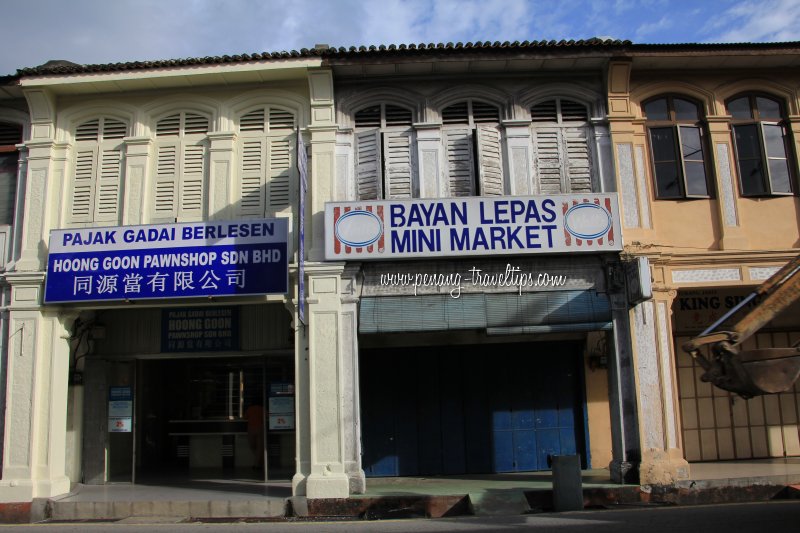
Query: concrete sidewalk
(732, 481)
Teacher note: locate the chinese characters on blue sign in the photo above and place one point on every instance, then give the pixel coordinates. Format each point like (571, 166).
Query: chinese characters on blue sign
(168, 261)
(200, 329)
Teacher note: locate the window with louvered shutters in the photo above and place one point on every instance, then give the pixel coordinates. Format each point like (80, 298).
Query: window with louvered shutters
(561, 136)
(267, 144)
(369, 182)
(385, 153)
(97, 172)
(473, 149)
(181, 176)
(10, 136)
(490, 167)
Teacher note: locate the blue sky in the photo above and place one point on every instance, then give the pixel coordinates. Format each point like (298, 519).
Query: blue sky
(107, 31)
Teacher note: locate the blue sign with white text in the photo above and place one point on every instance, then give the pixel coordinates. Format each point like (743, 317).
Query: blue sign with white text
(168, 261)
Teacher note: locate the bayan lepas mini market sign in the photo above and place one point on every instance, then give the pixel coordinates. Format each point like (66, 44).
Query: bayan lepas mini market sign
(395, 229)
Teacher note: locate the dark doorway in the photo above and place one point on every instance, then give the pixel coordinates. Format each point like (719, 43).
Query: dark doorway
(470, 409)
(210, 418)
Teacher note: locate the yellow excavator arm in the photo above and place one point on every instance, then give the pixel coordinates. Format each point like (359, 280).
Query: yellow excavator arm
(752, 372)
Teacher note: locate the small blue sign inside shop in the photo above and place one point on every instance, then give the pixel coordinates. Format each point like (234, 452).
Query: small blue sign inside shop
(168, 261)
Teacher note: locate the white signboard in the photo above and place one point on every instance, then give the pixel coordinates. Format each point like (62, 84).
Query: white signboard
(119, 425)
(120, 408)
(504, 225)
(281, 404)
(282, 421)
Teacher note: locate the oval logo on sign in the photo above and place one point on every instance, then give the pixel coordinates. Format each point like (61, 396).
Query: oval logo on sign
(587, 221)
(359, 228)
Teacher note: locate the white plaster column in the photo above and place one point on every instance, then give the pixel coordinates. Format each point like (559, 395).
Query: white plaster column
(662, 458)
(35, 229)
(432, 178)
(344, 185)
(322, 161)
(37, 206)
(220, 176)
(518, 155)
(36, 411)
(137, 161)
(19, 205)
(605, 157)
(351, 403)
(323, 396)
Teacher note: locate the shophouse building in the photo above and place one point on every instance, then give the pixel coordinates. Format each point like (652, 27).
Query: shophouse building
(470, 294)
(706, 144)
(178, 179)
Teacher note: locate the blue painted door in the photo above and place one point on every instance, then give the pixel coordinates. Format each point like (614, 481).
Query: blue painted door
(470, 409)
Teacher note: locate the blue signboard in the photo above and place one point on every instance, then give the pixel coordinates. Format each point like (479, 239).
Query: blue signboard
(168, 261)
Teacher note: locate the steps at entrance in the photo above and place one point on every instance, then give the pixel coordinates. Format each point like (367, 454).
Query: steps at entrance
(499, 503)
(119, 510)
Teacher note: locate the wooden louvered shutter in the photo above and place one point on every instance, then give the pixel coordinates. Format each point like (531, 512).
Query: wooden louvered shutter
(108, 185)
(490, 161)
(398, 153)
(83, 185)
(547, 150)
(192, 180)
(579, 160)
(252, 177)
(165, 201)
(369, 185)
(460, 161)
(281, 150)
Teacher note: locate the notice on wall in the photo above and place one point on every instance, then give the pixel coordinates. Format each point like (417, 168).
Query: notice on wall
(200, 329)
(282, 421)
(168, 261)
(281, 405)
(120, 409)
(380, 230)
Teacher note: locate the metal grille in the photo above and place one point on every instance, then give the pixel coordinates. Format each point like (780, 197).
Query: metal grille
(718, 425)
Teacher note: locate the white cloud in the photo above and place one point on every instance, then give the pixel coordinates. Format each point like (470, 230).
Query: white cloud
(651, 28)
(754, 21)
(103, 31)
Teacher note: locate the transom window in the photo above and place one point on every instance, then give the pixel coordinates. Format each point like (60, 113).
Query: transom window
(383, 116)
(677, 147)
(762, 145)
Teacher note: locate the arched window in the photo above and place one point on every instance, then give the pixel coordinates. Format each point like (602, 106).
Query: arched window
(385, 153)
(181, 175)
(561, 130)
(10, 136)
(762, 145)
(97, 172)
(677, 147)
(267, 146)
(473, 148)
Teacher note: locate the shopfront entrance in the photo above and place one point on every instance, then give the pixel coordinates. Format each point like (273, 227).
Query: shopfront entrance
(164, 401)
(199, 418)
(471, 409)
